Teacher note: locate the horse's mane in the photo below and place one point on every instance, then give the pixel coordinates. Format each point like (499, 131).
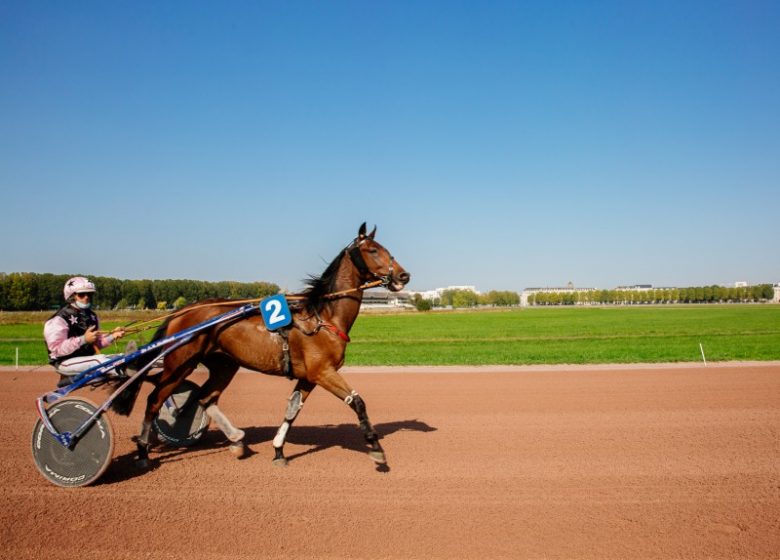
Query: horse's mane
(320, 286)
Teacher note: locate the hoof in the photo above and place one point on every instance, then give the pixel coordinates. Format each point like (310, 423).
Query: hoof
(282, 462)
(143, 464)
(378, 457)
(236, 436)
(237, 449)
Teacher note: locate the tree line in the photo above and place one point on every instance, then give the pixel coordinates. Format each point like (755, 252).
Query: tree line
(702, 294)
(467, 298)
(29, 291)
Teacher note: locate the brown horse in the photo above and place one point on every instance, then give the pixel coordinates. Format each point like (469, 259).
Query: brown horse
(310, 350)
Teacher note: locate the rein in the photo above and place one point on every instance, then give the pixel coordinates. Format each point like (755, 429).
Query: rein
(139, 327)
(353, 251)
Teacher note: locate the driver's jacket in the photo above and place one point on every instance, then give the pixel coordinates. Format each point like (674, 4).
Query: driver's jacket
(64, 334)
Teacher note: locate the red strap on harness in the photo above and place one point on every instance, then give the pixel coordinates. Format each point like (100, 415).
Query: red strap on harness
(337, 331)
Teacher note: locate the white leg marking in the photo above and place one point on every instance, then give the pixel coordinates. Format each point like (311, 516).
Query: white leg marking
(281, 434)
(232, 433)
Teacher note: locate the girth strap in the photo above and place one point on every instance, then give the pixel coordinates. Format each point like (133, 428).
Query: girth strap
(286, 362)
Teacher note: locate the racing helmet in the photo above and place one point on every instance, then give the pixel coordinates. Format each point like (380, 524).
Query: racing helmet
(77, 285)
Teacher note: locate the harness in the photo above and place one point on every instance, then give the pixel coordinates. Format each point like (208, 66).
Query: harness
(323, 325)
(355, 256)
(284, 334)
(353, 250)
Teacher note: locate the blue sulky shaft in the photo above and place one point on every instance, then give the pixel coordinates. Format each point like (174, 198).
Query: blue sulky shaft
(96, 373)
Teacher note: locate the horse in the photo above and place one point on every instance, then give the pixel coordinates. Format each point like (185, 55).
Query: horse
(310, 350)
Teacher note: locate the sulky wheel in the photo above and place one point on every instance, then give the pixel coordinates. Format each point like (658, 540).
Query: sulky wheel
(182, 420)
(88, 456)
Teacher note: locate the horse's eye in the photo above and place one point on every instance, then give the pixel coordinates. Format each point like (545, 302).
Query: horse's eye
(373, 251)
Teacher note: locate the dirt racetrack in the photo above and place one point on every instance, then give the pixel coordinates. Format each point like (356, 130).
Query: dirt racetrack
(590, 462)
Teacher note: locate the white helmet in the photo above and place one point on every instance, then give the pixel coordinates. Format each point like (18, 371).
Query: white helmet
(77, 285)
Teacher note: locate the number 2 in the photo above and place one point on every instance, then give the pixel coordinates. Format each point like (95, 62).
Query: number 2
(275, 307)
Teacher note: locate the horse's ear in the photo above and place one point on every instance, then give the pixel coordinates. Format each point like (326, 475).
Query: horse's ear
(372, 234)
(362, 231)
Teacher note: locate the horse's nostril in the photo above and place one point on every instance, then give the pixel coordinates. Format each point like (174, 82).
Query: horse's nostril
(404, 277)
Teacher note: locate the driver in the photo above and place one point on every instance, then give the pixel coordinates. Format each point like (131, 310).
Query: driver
(72, 336)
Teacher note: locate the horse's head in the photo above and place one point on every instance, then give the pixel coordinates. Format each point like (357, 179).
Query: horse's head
(374, 262)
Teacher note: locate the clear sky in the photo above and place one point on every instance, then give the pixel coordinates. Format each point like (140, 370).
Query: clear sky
(498, 144)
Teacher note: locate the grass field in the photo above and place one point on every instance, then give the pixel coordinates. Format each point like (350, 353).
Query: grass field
(519, 336)
(566, 335)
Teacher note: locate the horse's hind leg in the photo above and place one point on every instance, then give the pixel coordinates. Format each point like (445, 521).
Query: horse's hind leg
(162, 390)
(223, 423)
(221, 373)
(294, 405)
(235, 435)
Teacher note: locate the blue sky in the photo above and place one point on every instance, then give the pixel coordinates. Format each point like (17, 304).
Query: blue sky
(499, 144)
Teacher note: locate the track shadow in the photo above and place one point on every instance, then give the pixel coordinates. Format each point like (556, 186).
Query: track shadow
(124, 467)
(320, 438)
(345, 436)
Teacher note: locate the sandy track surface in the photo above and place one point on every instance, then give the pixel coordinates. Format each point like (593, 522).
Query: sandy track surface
(654, 462)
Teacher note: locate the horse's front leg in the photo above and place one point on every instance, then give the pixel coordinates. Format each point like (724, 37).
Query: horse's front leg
(357, 404)
(336, 384)
(294, 405)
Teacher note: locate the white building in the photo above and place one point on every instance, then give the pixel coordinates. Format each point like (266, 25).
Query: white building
(385, 299)
(436, 294)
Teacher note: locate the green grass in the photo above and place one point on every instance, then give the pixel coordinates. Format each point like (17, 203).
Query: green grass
(521, 336)
(568, 335)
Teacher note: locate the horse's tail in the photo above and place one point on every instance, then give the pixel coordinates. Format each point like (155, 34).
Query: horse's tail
(124, 401)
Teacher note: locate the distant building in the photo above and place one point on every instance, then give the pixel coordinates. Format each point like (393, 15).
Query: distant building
(385, 299)
(636, 288)
(436, 294)
(428, 294)
(776, 287)
(464, 288)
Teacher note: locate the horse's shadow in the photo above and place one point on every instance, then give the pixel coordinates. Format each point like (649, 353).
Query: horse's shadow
(345, 436)
(320, 438)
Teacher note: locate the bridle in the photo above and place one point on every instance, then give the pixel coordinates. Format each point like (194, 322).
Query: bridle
(353, 250)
